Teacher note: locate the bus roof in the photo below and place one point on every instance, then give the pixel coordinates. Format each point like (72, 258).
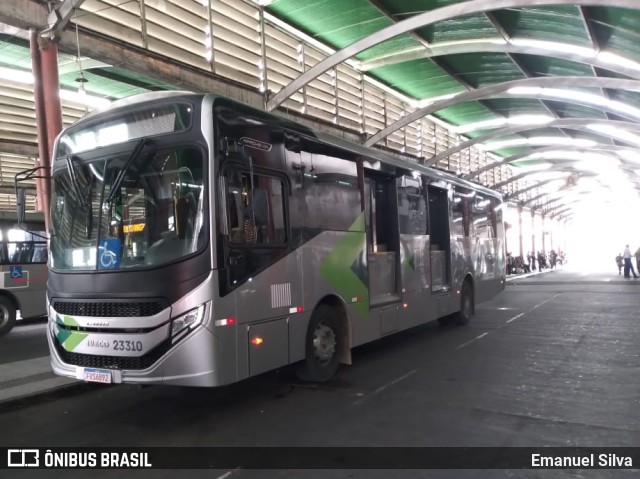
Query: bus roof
(335, 141)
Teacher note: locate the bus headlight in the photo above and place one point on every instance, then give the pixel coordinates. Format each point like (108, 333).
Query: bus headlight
(187, 320)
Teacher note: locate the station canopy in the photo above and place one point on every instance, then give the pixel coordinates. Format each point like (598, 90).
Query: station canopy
(539, 99)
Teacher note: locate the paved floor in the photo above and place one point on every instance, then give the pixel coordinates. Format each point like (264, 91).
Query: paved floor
(553, 361)
(24, 362)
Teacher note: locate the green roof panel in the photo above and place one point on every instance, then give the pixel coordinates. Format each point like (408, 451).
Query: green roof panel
(337, 23)
(546, 65)
(482, 69)
(509, 107)
(464, 113)
(617, 29)
(419, 78)
(560, 24)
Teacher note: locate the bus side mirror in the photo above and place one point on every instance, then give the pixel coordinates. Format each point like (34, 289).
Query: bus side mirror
(21, 204)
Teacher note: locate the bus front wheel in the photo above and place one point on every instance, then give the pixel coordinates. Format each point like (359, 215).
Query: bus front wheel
(7, 315)
(323, 346)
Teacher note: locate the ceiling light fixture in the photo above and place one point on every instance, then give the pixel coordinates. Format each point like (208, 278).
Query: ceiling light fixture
(538, 141)
(578, 96)
(585, 52)
(617, 133)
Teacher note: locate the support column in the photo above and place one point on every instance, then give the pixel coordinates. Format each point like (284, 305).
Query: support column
(520, 232)
(44, 54)
(544, 234)
(43, 148)
(533, 231)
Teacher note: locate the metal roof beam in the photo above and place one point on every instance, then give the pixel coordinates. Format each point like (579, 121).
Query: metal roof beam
(507, 38)
(570, 123)
(558, 214)
(539, 184)
(418, 21)
(498, 26)
(520, 176)
(528, 74)
(595, 44)
(425, 44)
(28, 14)
(494, 91)
(591, 34)
(492, 46)
(23, 14)
(606, 148)
(544, 206)
(561, 208)
(524, 203)
(59, 17)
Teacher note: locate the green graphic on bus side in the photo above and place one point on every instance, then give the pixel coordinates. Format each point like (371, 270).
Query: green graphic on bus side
(344, 268)
(67, 338)
(408, 260)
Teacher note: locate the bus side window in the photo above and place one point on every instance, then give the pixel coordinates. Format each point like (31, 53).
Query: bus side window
(255, 216)
(27, 252)
(15, 250)
(39, 253)
(4, 253)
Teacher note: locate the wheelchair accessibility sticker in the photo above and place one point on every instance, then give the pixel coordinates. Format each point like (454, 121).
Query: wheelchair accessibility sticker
(109, 254)
(15, 272)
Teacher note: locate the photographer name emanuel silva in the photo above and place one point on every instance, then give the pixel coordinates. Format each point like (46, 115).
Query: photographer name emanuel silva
(589, 460)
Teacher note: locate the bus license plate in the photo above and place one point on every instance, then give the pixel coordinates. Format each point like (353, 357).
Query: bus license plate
(96, 375)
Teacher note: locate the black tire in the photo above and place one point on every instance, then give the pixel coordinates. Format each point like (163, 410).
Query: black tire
(323, 346)
(7, 315)
(467, 304)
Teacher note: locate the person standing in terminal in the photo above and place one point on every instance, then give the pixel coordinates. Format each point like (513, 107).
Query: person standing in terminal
(628, 265)
(619, 263)
(637, 255)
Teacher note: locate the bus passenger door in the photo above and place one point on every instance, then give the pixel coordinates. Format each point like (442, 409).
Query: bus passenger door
(440, 240)
(383, 244)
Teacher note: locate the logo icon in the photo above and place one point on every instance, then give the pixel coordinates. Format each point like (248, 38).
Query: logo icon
(15, 272)
(23, 458)
(109, 254)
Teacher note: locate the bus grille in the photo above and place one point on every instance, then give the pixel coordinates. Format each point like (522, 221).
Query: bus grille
(112, 362)
(108, 309)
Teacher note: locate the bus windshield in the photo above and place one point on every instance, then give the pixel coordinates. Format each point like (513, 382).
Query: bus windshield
(137, 208)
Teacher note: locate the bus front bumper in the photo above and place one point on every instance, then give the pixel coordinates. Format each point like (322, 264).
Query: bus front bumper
(179, 365)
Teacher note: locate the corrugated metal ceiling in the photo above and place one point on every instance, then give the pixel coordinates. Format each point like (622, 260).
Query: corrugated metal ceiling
(471, 51)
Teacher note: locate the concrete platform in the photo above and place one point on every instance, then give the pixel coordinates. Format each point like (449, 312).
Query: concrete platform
(26, 379)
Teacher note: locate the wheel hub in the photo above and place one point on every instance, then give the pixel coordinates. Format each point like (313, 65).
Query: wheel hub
(324, 342)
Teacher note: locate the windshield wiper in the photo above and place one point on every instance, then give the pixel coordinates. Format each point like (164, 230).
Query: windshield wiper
(115, 186)
(74, 180)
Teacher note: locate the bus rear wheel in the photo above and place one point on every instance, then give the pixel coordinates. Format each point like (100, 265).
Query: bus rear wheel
(467, 304)
(323, 346)
(7, 315)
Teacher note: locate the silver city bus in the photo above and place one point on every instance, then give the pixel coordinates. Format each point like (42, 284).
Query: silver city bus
(23, 269)
(197, 241)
